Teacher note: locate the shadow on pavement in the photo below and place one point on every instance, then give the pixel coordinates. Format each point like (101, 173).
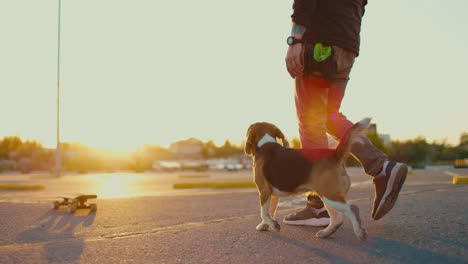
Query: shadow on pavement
(403, 252)
(375, 248)
(56, 232)
(310, 247)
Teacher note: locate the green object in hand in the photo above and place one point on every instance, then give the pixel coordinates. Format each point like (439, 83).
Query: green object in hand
(321, 52)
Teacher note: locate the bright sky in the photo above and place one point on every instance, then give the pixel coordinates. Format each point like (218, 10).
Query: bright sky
(154, 72)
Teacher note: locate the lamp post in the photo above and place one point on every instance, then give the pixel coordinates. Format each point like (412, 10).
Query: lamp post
(58, 157)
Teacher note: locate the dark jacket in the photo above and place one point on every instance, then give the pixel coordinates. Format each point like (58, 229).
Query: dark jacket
(332, 22)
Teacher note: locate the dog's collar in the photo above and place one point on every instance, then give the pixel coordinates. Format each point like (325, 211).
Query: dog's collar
(265, 139)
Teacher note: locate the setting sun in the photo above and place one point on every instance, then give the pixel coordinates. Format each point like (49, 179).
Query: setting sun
(116, 185)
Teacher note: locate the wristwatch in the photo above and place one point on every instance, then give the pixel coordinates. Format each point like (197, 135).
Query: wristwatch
(292, 40)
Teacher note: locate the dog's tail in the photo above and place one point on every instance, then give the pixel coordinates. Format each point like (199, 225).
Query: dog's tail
(354, 134)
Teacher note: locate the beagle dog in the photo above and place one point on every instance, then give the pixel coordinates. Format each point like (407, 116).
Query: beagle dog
(281, 171)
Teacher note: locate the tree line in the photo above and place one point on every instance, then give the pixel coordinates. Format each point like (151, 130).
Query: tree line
(26, 156)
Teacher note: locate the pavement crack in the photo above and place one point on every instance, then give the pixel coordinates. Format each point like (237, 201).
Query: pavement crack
(186, 226)
(174, 228)
(159, 230)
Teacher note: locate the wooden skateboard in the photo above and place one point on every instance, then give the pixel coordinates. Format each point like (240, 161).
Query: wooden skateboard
(76, 202)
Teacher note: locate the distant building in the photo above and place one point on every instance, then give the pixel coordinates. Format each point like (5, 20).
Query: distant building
(372, 129)
(384, 137)
(191, 148)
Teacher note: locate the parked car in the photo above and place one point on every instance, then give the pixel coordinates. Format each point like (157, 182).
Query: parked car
(167, 165)
(195, 165)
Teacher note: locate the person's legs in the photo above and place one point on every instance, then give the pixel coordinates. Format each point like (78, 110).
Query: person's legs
(311, 95)
(311, 109)
(388, 176)
(371, 158)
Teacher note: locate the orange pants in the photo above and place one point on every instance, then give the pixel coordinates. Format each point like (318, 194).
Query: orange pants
(318, 104)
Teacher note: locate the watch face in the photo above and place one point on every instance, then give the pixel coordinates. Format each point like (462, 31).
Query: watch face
(290, 40)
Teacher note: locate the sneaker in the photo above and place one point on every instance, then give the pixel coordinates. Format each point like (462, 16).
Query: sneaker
(387, 187)
(313, 214)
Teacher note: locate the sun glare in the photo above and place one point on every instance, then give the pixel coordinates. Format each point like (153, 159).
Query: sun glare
(115, 185)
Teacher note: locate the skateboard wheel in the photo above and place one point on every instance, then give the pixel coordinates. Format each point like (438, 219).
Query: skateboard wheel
(56, 205)
(93, 207)
(71, 208)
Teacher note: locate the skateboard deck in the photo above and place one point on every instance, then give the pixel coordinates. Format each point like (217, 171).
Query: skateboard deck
(76, 202)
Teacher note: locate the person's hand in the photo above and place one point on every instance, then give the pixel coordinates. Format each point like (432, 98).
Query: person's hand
(294, 62)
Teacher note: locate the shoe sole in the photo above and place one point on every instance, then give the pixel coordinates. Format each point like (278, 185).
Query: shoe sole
(391, 194)
(325, 221)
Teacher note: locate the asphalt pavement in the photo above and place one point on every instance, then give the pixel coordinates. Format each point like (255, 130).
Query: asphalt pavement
(427, 225)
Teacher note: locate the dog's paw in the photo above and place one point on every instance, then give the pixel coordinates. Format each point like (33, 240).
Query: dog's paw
(322, 234)
(361, 234)
(262, 226)
(276, 226)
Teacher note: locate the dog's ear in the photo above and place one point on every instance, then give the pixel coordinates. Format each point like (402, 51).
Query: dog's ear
(248, 149)
(280, 135)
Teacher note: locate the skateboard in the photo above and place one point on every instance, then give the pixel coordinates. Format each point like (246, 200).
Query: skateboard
(76, 202)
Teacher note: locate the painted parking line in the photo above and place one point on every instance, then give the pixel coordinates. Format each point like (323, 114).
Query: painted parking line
(21, 187)
(213, 185)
